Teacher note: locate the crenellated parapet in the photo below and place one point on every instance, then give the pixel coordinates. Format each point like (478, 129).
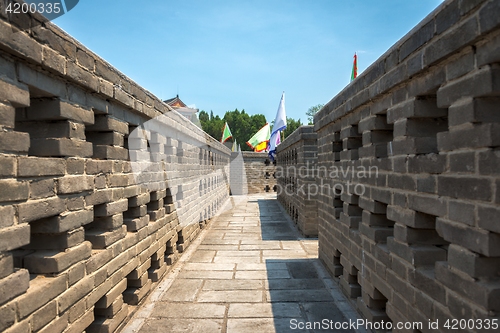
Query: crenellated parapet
(408, 159)
(102, 185)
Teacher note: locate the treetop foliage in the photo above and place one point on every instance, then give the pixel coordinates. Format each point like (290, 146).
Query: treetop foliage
(243, 126)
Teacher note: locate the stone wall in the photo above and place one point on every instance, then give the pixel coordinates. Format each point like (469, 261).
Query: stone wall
(413, 233)
(101, 184)
(260, 172)
(296, 172)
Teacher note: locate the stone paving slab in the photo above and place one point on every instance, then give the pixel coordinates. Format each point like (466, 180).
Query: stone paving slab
(249, 271)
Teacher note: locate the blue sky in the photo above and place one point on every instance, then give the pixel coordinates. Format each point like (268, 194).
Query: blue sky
(222, 54)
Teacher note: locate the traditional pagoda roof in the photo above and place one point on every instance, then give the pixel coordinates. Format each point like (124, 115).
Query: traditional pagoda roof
(178, 105)
(175, 102)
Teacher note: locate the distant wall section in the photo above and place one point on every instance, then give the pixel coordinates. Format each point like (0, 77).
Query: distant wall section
(296, 171)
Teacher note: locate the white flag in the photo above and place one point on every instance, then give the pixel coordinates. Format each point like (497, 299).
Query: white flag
(279, 125)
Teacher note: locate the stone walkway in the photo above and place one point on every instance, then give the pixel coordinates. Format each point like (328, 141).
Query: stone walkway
(249, 271)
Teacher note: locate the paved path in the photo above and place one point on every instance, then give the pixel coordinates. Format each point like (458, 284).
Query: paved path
(249, 271)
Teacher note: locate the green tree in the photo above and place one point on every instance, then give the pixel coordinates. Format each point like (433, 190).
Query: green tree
(242, 125)
(291, 125)
(311, 112)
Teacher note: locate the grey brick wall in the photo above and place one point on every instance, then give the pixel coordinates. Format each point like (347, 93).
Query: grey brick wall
(296, 172)
(259, 172)
(98, 196)
(408, 219)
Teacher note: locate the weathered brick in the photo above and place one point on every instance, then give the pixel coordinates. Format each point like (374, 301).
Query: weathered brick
(7, 216)
(14, 93)
(37, 209)
(75, 166)
(102, 239)
(13, 190)
(82, 76)
(60, 147)
(42, 188)
(488, 51)
(488, 18)
(471, 263)
(427, 204)
(99, 197)
(53, 261)
(488, 218)
(82, 323)
(94, 167)
(462, 65)
(35, 167)
(415, 108)
(485, 294)
(7, 316)
(478, 83)
(428, 83)
(108, 222)
(112, 208)
(51, 109)
(419, 127)
(106, 138)
(489, 161)
(451, 41)
(462, 162)
(404, 182)
(14, 142)
(410, 217)
(75, 184)
(85, 60)
(58, 129)
(413, 145)
(472, 188)
(19, 43)
(417, 236)
(45, 83)
(474, 110)
(139, 200)
(105, 123)
(417, 255)
(110, 153)
(41, 291)
(473, 136)
(416, 40)
(112, 295)
(53, 60)
(478, 240)
(14, 285)
(461, 211)
(424, 279)
(44, 315)
(7, 115)
(8, 166)
(59, 241)
(77, 292)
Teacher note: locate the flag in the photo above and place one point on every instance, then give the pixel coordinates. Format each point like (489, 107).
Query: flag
(262, 136)
(235, 146)
(354, 72)
(279, 125)
(261, 146)
(226, 133)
